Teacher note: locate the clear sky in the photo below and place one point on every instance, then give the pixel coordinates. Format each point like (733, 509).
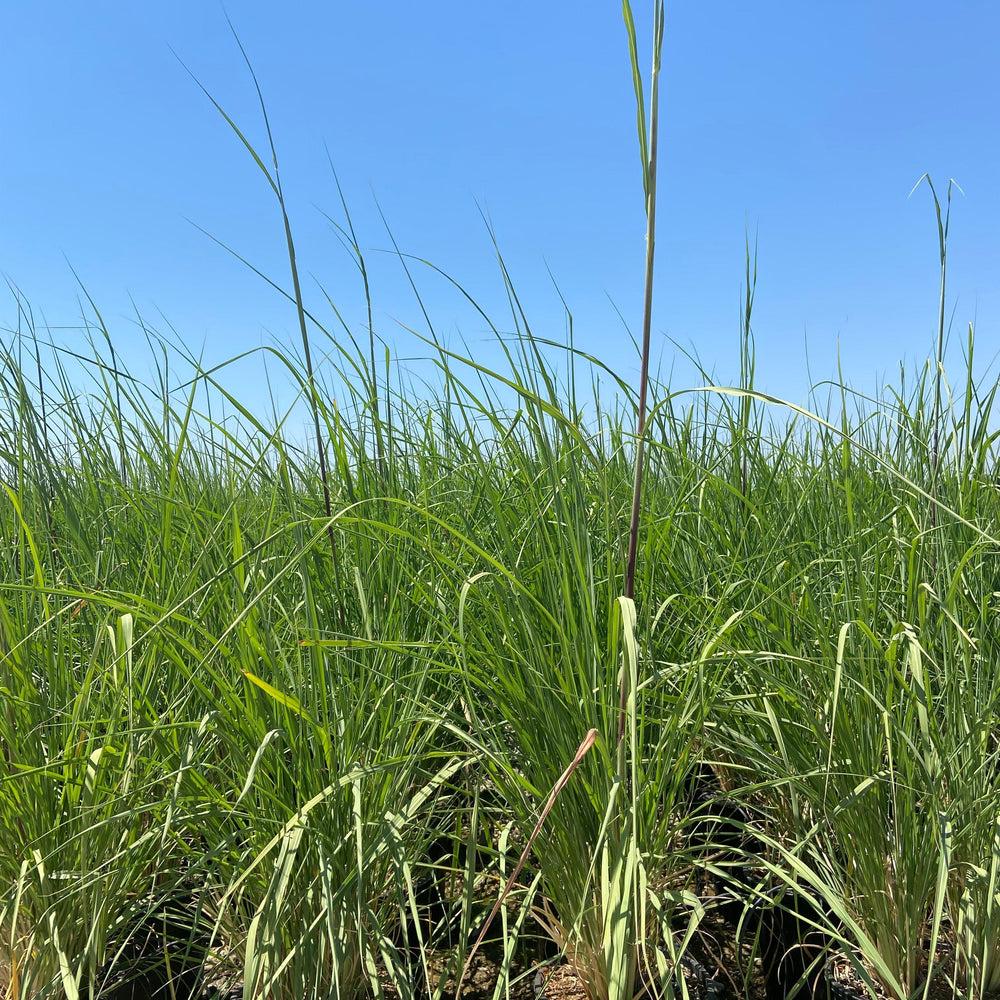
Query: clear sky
(806, 124)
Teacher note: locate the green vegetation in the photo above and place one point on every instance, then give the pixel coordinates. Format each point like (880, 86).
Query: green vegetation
(285, 720)
(207, 707)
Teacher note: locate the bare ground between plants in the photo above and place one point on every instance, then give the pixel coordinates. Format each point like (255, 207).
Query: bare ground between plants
(721, 964)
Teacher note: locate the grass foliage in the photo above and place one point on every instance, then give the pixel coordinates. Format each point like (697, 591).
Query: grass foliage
(285, 719)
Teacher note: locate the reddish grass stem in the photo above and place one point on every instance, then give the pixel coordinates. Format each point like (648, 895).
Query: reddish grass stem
(588, 742)
(649, 183)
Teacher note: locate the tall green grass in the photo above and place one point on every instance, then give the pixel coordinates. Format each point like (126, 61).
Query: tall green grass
(196, 722)
(286, 718)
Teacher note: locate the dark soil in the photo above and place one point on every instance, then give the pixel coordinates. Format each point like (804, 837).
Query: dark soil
(161, 958)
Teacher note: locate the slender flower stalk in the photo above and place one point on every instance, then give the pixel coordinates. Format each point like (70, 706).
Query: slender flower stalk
(648, 152)
(942, 224)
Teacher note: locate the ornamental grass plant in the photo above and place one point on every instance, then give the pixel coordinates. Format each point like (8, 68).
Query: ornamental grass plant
(199, 753)
(293, 702)
(207, 745)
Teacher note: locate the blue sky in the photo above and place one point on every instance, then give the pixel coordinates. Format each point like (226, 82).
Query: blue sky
(806, 124)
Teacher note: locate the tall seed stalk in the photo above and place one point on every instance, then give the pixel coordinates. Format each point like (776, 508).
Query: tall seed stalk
(647, 149)
(942, 223)
(747, 369)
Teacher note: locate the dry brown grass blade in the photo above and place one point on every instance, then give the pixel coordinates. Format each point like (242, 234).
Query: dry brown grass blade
(588, 742)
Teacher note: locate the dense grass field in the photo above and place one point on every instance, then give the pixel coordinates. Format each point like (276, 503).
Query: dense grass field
(361, 699)
(306, 752)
